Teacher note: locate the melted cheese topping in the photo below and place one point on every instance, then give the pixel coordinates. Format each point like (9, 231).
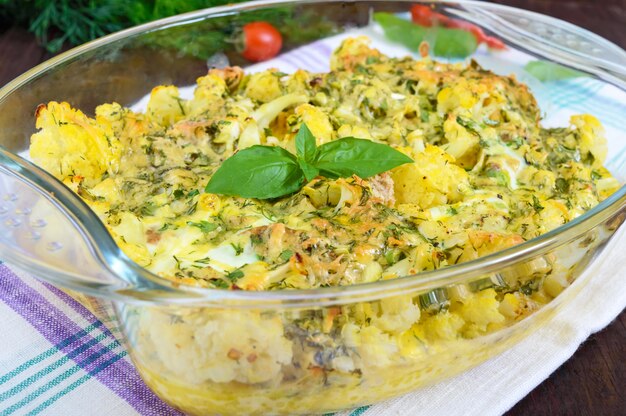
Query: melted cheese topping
(483, 164)
(486, 176)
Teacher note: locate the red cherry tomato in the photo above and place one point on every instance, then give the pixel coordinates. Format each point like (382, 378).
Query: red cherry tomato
(468, 27)
(261, 41)
(425, 16)
(494, 43)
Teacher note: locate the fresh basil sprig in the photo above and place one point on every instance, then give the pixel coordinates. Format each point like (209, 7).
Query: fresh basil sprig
(265, 172)
(449, 43)
(306, 150)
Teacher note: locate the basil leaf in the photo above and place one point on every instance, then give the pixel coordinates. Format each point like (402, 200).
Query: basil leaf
(306, 149)
(450, 43)
(310, 171)
(453, 43)
(400, 30)
(269, 172)
(257, 172)
(351, 156)
(549, 71)
(305, 144)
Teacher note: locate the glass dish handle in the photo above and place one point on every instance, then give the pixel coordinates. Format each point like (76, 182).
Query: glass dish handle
(46, 230)
(569, 45)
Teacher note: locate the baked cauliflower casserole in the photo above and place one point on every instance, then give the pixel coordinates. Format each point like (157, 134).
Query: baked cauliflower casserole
(485, 176)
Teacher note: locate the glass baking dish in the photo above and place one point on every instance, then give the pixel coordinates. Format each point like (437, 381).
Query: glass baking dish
(210, 351)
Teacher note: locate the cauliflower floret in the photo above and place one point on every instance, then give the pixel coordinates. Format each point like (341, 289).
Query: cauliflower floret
(347, 130)
(232, 76)
(553, 215)
(137, 252)
(131, 228)
(444, 325)
(71, 144)
(591, 136)
(208, 97)
(298, 82)
(482, 243)
(352, 52)
(460, 95)
(269, 111)
(432, 180)
(480, 311)
(165, 106)
(317, 121)
(124, 122)
(607, 185)
(372, 346)
(264, 86)
(462, 144)
(398, 314)
(107, 190)
(234, 346)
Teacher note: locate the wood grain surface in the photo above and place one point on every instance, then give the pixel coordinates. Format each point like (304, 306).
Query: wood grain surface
(593, 381)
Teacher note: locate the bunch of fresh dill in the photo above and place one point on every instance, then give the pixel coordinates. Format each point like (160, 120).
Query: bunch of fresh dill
(72, 22)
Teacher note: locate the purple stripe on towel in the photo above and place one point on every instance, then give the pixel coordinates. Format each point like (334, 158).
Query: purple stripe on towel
(322, 47)
(55, 326)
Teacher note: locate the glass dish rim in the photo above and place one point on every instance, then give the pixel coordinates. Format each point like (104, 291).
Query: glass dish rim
(185, 294)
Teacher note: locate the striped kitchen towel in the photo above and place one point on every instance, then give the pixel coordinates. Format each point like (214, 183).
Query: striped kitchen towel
(59, 356)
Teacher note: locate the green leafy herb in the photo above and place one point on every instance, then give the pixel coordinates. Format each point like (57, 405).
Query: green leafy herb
(204, 226)
(234, 275)
(451, 43)
(265, 172)
(469, 125)
(165, 226)
(238, 249)
(536, 204)
(148, 209)
(392, 255)
(286, 255)
(205, 260)
(562, 185)
(258, 172)
(306, 151)
(549, 71)
(72, 22)
(220, 284)
(351, 156)
(192, 209)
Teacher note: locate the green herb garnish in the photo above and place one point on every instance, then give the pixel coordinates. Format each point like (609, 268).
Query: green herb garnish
(286, 255)
(450, 43)
(536, 204)
(238, 249)
(234, 275)
(549, 71)
(265, 172)
(204, 226)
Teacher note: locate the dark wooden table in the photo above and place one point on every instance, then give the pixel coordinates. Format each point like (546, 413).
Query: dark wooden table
(593, 381)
